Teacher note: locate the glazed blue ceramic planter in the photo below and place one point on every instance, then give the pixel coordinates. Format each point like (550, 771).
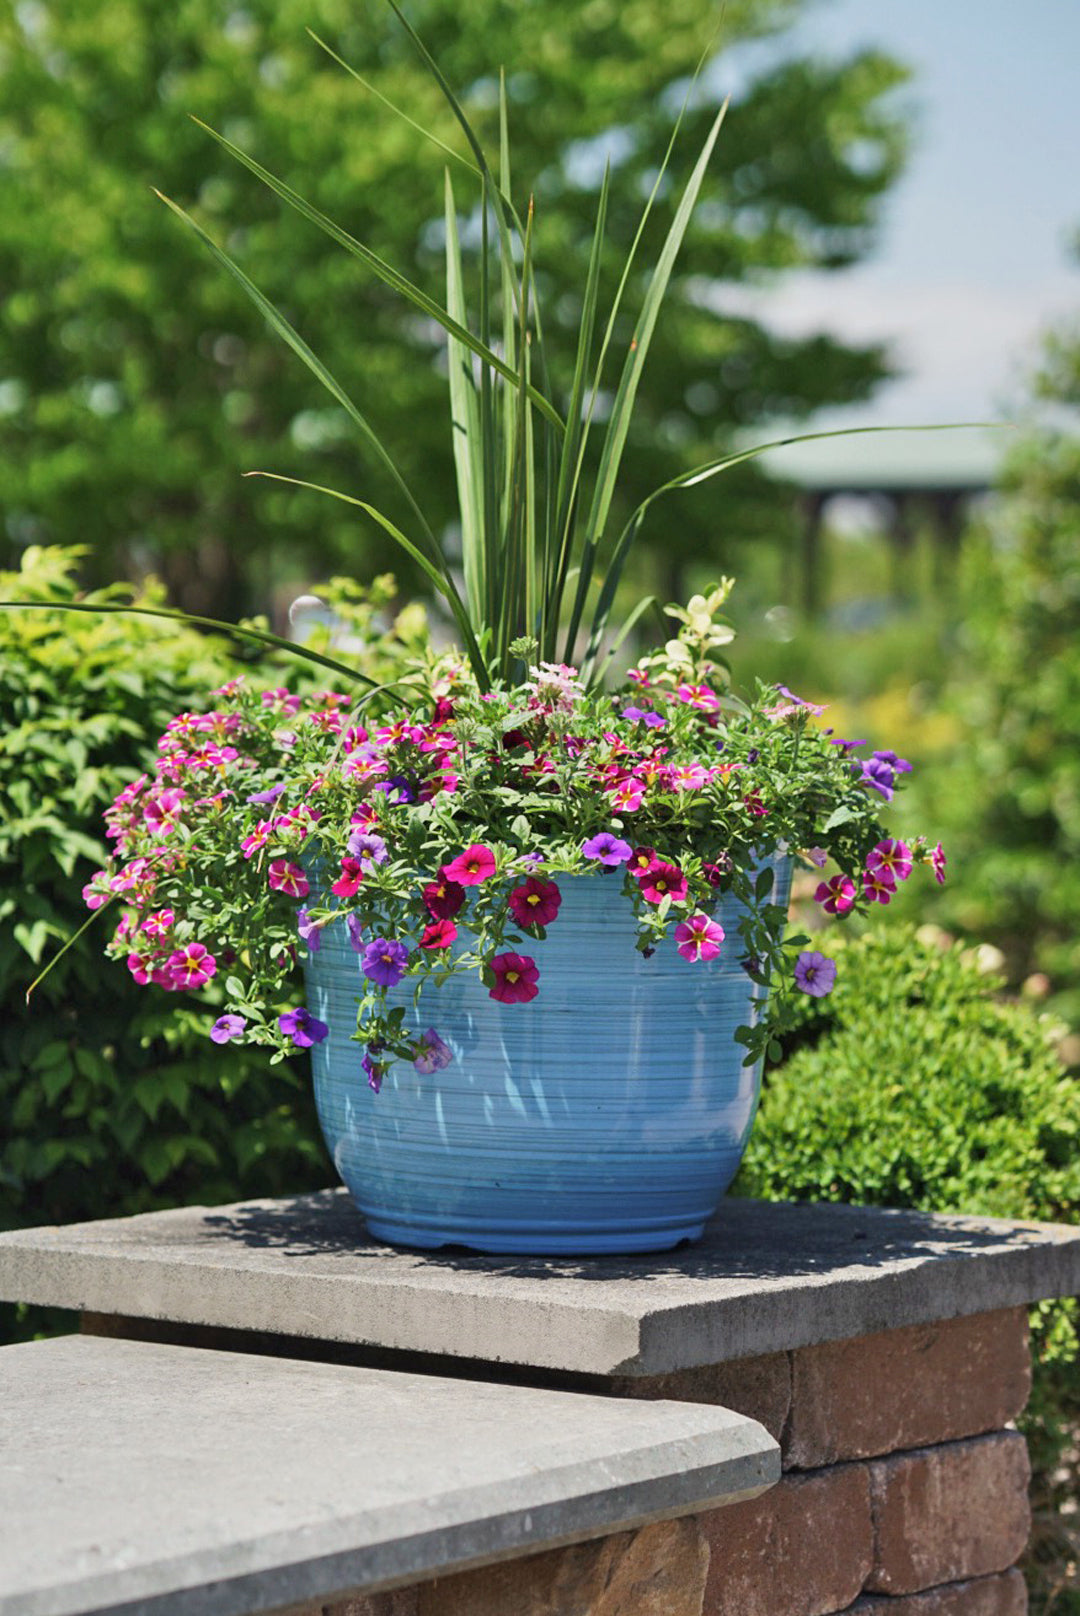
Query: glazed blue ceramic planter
(608, 1115)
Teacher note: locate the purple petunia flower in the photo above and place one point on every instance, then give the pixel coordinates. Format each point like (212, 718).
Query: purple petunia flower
(879, 776)
(367, 848)
(397, 790)
(356, 932)
(226, 1027)
(815, 974)
(607, 849)
(302, 1027)
(384, 961)
(267, 796)
(434, 1055)
(309, 930)
(374, 1069)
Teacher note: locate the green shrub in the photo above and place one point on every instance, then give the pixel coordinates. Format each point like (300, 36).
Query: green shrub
(914, 1085)
(114, 1099)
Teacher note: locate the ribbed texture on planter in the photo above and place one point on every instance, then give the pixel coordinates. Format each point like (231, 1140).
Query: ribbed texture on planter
(608, 1115)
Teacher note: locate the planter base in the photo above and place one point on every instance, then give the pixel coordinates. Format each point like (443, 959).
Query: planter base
(532, 1239)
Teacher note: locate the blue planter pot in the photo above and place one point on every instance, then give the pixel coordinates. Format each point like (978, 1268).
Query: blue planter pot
(608, 1115)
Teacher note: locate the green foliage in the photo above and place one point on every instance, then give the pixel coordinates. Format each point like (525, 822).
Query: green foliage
(915, 1085)
(139, 383)
(1007, 798)
(114, 1100)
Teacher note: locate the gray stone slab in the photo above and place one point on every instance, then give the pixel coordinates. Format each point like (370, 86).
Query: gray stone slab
(169, 1481)
(767, 1277)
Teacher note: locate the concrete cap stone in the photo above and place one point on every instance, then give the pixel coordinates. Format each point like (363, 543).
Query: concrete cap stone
(767, 1277)
(171, 1481)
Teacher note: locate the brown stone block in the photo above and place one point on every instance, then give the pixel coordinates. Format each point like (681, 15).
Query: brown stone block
(803, 1549)
(985, 1596)
(950, 1513)
(399, 1602)
(659, 1570)
(760, 1388)
(909, 1388)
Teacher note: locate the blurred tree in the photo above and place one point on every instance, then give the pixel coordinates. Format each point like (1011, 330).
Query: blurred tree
(1008, 800)
(136, 384)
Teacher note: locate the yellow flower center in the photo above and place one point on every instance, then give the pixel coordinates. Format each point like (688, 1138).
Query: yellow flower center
(511, 976)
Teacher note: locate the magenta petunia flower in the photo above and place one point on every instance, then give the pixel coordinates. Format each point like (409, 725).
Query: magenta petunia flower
(815, 974)
(440, 934)
(258, 839)
(938, 860)
(535, 902)
(516, 976)
(837, 896)
(470, 868)
(384, 961)
(226, 1027)
(375, 1070)
(443, 898)
(628, 795)
(191, 966)
(607, 849)
(699, 696)
(288, 878)
(641, 861)
(95, 892)
(349, 881)
(663, 881)
(699, 938)
(892, 856)
(302, 1027)
(434, 1054)
(878, 886)
(160, 923)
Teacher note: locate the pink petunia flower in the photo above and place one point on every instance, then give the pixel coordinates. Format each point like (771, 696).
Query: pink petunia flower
(938, 861)
(439, 934)
(699, 938)
(288, 878)
(893, 857)
(470, 868)
(699, 696)
(349, 881)
(878, 886)
(628, 795)
(837, 896)
(191, 966)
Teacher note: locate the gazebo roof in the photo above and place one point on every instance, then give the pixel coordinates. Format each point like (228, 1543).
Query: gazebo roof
(966, 459)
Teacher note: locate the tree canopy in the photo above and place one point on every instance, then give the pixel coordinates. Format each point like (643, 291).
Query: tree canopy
(137, 383)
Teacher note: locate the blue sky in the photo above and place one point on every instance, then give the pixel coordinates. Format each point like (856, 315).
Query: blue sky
(972, 260)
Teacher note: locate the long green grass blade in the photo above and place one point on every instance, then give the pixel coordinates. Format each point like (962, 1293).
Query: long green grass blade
(385, 272)
(622, 409)
(391, 106)
(465, 425)
(441, 580)
(282, 328)
(240, 631)
(572, 448)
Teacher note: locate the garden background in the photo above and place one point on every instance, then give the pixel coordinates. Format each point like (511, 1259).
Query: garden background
(137, 385)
